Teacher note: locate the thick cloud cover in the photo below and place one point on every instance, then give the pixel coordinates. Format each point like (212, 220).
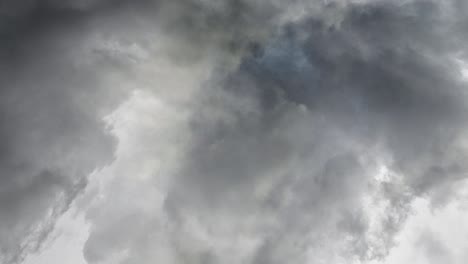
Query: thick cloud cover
(52, 135)
(247, 131)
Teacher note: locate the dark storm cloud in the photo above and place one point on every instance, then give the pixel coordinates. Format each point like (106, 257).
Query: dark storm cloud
(52, 99)
(280, 152)
(284, 149)
(391, 69)
(54, 93)
(51, 130)
(314, 100)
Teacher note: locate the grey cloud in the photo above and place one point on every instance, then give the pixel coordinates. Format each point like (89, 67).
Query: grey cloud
(278, 156)
(284, 149)
(384, 76)
(52, 132)
(434, 250)
(382, 73)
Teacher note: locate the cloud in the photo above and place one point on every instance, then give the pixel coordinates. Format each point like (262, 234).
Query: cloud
(249, 131)
(310, 150)
(52, 133)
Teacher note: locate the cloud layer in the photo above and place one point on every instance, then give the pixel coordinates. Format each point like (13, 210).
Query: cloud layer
(233, 131)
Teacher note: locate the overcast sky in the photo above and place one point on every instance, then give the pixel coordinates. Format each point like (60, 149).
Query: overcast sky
(233, 131)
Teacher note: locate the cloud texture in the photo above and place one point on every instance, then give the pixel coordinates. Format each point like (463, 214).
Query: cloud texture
(199, 131)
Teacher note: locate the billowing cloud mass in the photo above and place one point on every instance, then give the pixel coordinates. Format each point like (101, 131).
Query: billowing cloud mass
(234, 131)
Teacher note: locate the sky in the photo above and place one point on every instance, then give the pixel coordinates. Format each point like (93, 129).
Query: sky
(233, 131)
